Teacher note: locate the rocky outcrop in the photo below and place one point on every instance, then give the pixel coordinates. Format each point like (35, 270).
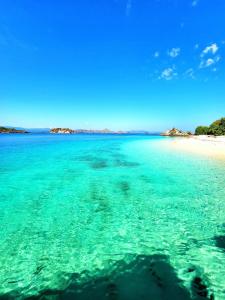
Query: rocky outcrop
(61, 131)
(175, 132)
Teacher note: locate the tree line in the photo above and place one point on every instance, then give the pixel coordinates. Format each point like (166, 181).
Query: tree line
(216, 128)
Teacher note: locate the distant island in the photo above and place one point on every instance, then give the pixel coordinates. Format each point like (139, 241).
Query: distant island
(92, 131)
(65, 130)
(11, 130)
(217, 128)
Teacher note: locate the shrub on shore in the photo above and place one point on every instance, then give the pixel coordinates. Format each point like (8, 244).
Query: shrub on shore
(202, 130)
(216, 128)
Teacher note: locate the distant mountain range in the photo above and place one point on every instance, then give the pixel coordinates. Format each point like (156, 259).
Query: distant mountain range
(80, 131)
(60, 130)
(144, 132)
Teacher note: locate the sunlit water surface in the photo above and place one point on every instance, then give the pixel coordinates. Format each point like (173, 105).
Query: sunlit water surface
(109, 217)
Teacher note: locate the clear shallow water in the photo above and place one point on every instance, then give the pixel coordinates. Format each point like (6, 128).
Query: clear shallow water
(109, 217)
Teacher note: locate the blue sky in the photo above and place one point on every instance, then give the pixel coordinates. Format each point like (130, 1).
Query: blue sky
(120, 64)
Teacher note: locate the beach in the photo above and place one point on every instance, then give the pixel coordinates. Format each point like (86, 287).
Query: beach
(210, 146)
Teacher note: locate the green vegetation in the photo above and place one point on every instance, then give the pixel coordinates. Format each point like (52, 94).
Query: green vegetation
(216, 128)
(10, 130)
(4, 129)
(201, 130)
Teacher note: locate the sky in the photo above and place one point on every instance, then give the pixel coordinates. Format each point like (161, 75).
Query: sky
(118, 64)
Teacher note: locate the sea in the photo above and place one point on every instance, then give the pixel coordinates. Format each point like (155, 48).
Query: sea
(119, 217)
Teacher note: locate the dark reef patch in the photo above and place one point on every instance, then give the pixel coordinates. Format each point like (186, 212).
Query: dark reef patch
(124, 186)
(145, 278)
(145, 178)
(200, 290)
(99, 164)
(85, 158)
(118, 155)
(93, 161)
(220, 241)
(124, 163)
(100, 199)
(191, 269)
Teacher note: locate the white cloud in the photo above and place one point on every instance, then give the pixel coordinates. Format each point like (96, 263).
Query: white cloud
(209, 62)
(209, 57)
(174, 52)
(212, 49)
(168, 74)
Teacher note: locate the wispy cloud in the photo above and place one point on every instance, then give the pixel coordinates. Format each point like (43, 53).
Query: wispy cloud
(190, 73)
(168, 74)
(196, 46)
(128, 7)
(211, 49)
(209, 62)
(208, 56)
(200, 62)
(174, 52)
(9, 39)
(194, 3)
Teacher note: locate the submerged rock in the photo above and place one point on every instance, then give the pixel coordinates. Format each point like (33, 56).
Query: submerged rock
(124, 187)
(200, 289)
(220, 241)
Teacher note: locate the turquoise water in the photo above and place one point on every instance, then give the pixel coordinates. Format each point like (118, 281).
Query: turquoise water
(109, 217)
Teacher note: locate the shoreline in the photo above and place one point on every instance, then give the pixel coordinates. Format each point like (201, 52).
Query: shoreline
(210, 146)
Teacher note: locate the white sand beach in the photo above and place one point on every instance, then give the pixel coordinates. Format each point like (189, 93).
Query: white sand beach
(210, 146)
